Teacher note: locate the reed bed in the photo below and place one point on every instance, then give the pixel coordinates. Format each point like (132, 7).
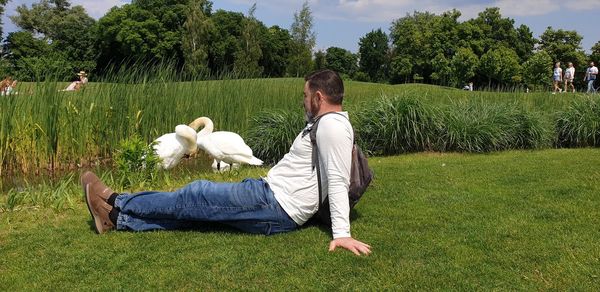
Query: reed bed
(43, 129)
(412, 123)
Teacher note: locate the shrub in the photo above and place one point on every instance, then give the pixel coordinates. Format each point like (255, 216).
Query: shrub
(482, 127)
(272, 133)
(396, 125)
(579, 124)
(136, 162)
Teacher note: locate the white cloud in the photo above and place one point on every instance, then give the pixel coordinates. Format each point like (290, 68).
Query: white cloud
(527, 7)
(389, 10)
(97, 9)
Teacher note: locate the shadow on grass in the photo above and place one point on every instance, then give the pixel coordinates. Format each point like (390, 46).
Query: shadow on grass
(327, 228)
(216, 227)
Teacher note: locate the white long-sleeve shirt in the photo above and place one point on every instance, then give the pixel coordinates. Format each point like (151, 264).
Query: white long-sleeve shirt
(295, 184)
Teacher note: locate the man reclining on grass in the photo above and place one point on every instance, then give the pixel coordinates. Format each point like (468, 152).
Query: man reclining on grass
(281, 202)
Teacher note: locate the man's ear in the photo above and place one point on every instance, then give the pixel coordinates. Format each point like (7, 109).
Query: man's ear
(320, 96)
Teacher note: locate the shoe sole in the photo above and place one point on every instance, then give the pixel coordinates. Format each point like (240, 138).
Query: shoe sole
(97, 221)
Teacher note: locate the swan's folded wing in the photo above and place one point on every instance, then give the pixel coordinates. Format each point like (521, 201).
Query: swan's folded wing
(230, 143)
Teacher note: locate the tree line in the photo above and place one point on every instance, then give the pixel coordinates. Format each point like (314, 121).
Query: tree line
(56, 39)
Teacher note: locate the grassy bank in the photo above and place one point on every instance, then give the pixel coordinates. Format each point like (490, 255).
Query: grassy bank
(42, 128)
(518, 220)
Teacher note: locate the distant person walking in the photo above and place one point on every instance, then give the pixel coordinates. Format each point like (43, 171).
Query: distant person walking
(590, 76)
(557, 78)
(569, 77)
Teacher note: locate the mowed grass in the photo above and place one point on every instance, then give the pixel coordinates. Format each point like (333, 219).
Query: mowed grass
(521, 220)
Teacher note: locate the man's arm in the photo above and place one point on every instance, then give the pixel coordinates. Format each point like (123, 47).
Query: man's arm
(335, 141)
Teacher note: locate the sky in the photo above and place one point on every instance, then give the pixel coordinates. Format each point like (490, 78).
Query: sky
(341, 23)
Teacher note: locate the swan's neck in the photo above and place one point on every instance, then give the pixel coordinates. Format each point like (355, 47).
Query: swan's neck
(187, 137)
(203, 121)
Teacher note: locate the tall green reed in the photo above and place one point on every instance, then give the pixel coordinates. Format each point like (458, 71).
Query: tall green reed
(43, 126)
(396, 125)
(272, 133)
(478, 126)
(579, 124)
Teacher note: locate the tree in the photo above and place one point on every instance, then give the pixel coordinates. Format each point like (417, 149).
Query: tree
(145, 30)
(319, 60)
(401, 69)
(373, 51)
(69, 30)
(464, 65)
(32, 59)
(341, 60)
(595, 56)
(196, 35)
(525, 43)
(225, 42)
(22, 44)
(421, 37)
(2, 5)
(276, 47)
(501, 65)
(497, 31)
(563, 46)
(538, 69)
(441, 69)
(246, 60)
(303, 38)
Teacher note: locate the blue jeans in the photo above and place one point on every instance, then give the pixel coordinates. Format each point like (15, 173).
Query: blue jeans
(591, 86)
(249, 206)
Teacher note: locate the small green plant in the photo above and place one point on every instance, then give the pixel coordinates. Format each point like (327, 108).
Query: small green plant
(136, 162)
(59, 195)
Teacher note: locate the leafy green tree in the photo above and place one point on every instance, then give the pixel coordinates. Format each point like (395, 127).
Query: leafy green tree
(145, 30)
(250, 53)
(373, 51)
(538, 69)
(23, 44)
(276, 47)
(525, 43)
(595, 56)
(33, 59)
(442, 72)
(470, 35)
(225, 42)
(341, 60)
(197, 29)
(69, 30)
(2, 5)
(319, 60)
(500, 65)
(464, 65)
(563, 46)
(304, 40)
(497, 31)
(421, 37)
(401, 69)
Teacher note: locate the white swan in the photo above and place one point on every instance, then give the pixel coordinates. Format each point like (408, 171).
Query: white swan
(173, 146)
(223, 146)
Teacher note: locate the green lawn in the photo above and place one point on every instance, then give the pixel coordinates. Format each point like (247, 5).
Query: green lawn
(511, 220)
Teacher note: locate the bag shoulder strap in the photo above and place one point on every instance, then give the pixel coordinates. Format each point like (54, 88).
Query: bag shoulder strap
(315, 150)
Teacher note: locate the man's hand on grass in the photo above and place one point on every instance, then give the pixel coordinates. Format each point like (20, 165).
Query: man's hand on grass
(350, 244)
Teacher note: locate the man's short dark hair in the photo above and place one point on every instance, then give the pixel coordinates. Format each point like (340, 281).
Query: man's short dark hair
(329, 83)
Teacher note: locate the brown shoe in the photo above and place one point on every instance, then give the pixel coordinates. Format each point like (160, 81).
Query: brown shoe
(96, 186)
(94, 190)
